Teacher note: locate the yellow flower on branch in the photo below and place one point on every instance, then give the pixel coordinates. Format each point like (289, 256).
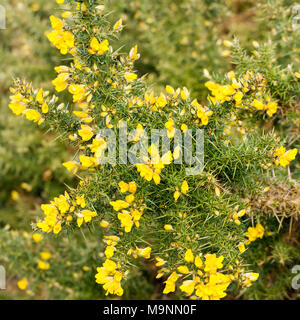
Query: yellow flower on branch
(98, 48)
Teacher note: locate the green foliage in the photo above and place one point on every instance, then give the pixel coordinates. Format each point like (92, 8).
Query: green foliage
(181, 44)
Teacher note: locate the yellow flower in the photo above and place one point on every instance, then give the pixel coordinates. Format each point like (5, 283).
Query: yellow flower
(62, 40)
(258, 104)
(43, 265)
(198, 262)
(105, 272)
(168, 227)
(56, 23)
(226, 53)
(80, 201)
(15, 195)
(129, 198)
(288, 156)
(32, 115)
(130, 77)
(45, 108)
(123, 186)
(132, 187)
(86, 161)
(188, 286)
(227, 43)
(217, 192)
(212, 263)
(144, 252)
(126, 220)
(136, 216)
(170, 90)
(183, 128)
(119, 205)
(45, 255)
(99, 48)
(183, 269)
(241, 247)
(271, 108)
(133, 55)
(238, 98)
(104, 224)
(249, 277)
(88, 215)
(85, 132)
(160, 262)
(184, 93)
(71, 166)
(170, 283)
(78, 91)
(184, 187)
(22, 284)
(280, 151)
(61, 82)
(62, 204)
(17, 107)
(113, 285)
(39, 96)
(189, 257)
(97, 147)
(169, 125)
(57, 228)
(118, 24)
(109, 252)
(37, 237)
(103, 47)
(176, 195)
(161, 101)
(260, 230)
(85, 216)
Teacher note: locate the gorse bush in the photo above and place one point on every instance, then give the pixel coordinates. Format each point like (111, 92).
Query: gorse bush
(195, 230)
(274, 54)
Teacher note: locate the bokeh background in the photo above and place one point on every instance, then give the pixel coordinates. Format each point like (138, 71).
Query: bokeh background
(181, 43)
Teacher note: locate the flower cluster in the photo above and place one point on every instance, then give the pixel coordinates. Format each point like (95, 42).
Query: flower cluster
(140, 252)
(61, 39)
(23, 104)
(62, 210)
(255, 232)
(154, 164)
(207, 283)
(247, 92)
(110, 277)
(236, 215)
(184, 189)
(43, 264)
(284, 157)
(135, 210)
